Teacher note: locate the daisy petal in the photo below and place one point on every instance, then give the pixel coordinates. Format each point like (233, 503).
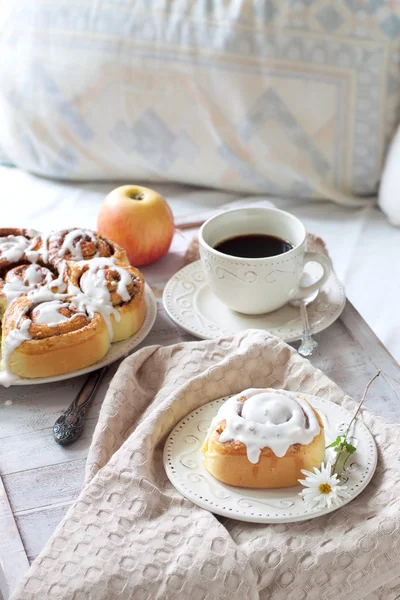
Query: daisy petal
(303, 481)
(307, 473)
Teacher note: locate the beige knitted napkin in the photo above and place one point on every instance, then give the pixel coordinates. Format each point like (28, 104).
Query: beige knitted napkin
(131, 535)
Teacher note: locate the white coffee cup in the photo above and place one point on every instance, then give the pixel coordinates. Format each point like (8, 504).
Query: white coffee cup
(255, 286)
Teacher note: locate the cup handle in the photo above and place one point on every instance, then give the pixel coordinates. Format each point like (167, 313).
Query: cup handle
(306, 290)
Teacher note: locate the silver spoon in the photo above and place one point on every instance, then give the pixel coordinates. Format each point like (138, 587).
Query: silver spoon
(308, 344)
(69, 426)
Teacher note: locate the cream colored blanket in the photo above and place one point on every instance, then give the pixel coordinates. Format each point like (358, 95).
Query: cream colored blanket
(130, 535)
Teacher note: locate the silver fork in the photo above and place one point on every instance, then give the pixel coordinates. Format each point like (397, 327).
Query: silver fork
(308, 344)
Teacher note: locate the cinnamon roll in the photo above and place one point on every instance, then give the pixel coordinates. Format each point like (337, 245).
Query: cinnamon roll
(82, 244)
(44, 337)
(26, 278)
(18, 246)
(262, 438)
(122, 288)
(64, 297)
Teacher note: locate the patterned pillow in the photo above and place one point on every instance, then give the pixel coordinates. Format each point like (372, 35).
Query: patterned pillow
(286, 97)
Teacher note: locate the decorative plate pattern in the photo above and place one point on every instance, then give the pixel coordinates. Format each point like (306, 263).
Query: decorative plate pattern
(116, 351)
(190, 302)
(183, 462)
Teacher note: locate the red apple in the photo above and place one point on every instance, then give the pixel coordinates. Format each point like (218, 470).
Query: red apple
(139, 220)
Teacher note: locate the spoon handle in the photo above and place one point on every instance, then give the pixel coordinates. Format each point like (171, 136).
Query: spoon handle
(69, 425)
(308, 344)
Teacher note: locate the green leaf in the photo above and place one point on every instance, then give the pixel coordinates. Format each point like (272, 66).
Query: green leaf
(337, 442)
(349, 448)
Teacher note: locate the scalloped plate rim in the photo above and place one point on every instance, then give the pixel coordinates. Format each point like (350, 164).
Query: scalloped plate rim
(179, 429)
(170, 308)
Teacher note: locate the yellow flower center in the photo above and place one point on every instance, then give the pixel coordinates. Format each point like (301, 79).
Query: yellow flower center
(325, 488)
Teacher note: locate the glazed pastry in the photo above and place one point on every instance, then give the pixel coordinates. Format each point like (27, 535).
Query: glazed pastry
(121, 287)
(48, 338)
(262, 438)
(64, 297)
(81, 244)
(25, 278)
(18, 246)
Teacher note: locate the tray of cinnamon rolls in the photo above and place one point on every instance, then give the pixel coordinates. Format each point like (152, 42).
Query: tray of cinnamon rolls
(245, 456)
(70, 302)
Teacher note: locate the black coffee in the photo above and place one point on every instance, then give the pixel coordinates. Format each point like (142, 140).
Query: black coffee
(254, 245)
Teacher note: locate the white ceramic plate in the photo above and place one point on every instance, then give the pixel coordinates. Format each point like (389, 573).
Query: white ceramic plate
(190, 302)
(116, 351)
(183, 462)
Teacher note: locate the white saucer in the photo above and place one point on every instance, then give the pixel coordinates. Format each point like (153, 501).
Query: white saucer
(116, 351)
(190, 302)
(183, 463)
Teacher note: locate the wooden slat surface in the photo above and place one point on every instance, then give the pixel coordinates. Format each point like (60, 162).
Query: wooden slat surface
(36, 526)
(34, 450)
(344, 354)
(350, 354)
(54, 484)
(13, 560)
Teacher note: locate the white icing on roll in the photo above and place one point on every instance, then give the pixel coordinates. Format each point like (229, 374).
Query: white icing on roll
(33, 277)
(44, 294)
(59, 282)
(44, 249)
(85, 303)
(269, 418)
(32, 255)
(48, 313)
(94, 281)
(95, 296)
(32, 233)
(13, 340)
(76, 249)
(13, 247)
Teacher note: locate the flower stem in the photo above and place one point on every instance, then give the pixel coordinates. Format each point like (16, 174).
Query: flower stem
(342, 450)
(361, 402)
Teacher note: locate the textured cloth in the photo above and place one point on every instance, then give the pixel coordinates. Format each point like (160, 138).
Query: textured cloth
(131, 535)
(280, 97)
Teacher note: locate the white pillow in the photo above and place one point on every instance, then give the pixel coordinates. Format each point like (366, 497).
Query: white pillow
(389, 192)
(286, 98)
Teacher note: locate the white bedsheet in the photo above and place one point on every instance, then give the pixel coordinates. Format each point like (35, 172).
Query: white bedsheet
(365, 248)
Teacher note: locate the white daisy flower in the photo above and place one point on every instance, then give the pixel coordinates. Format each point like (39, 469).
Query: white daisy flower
(322, 489)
